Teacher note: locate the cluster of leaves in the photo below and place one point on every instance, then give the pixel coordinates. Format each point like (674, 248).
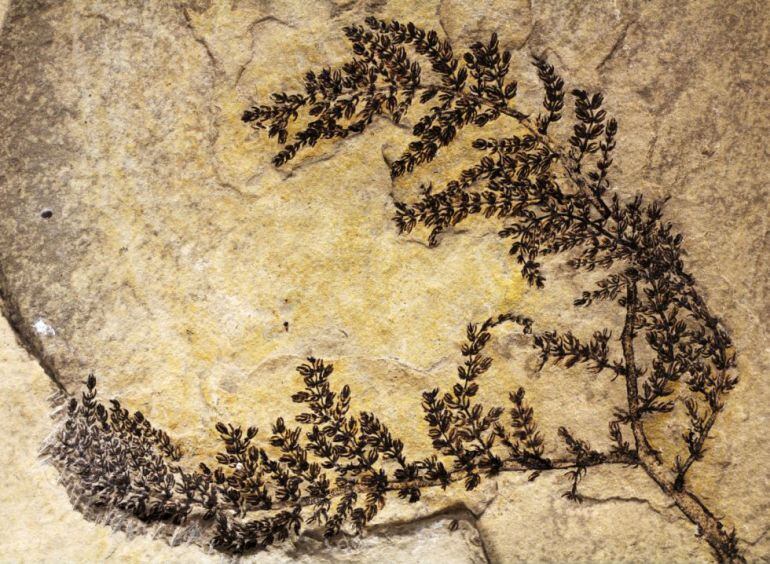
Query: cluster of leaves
(462, 430)
(589, 126)
(553, 100)
(334, 470)
(382, 79)
(584, 455)
(119, 459)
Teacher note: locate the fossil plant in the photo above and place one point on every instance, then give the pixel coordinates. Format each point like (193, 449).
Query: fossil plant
(336, 468)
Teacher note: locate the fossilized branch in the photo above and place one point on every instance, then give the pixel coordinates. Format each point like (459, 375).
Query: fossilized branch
(119, 460)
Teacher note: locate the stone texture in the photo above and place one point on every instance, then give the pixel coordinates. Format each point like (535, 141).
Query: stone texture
(39, 524)
(38, 521)
(618, 504)
(192, 277)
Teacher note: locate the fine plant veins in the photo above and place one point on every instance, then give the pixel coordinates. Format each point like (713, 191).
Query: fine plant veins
(336, 468)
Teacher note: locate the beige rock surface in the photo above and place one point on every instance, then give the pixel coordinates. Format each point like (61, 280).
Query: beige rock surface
(39, 524)
(192, 277)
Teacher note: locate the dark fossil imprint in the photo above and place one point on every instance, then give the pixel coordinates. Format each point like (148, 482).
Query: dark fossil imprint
(336, 468)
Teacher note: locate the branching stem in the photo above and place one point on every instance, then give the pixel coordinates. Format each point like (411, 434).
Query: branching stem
(627, 459)
(722, 542)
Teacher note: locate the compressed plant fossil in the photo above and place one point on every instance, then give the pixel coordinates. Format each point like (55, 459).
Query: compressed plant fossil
(336, 468)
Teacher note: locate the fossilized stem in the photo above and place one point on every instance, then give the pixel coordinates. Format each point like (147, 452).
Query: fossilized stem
(708, 525)
(627, 344)
(459, 475)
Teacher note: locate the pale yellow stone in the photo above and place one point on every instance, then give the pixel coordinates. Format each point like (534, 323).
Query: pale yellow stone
(177, 253)
(39, 524)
